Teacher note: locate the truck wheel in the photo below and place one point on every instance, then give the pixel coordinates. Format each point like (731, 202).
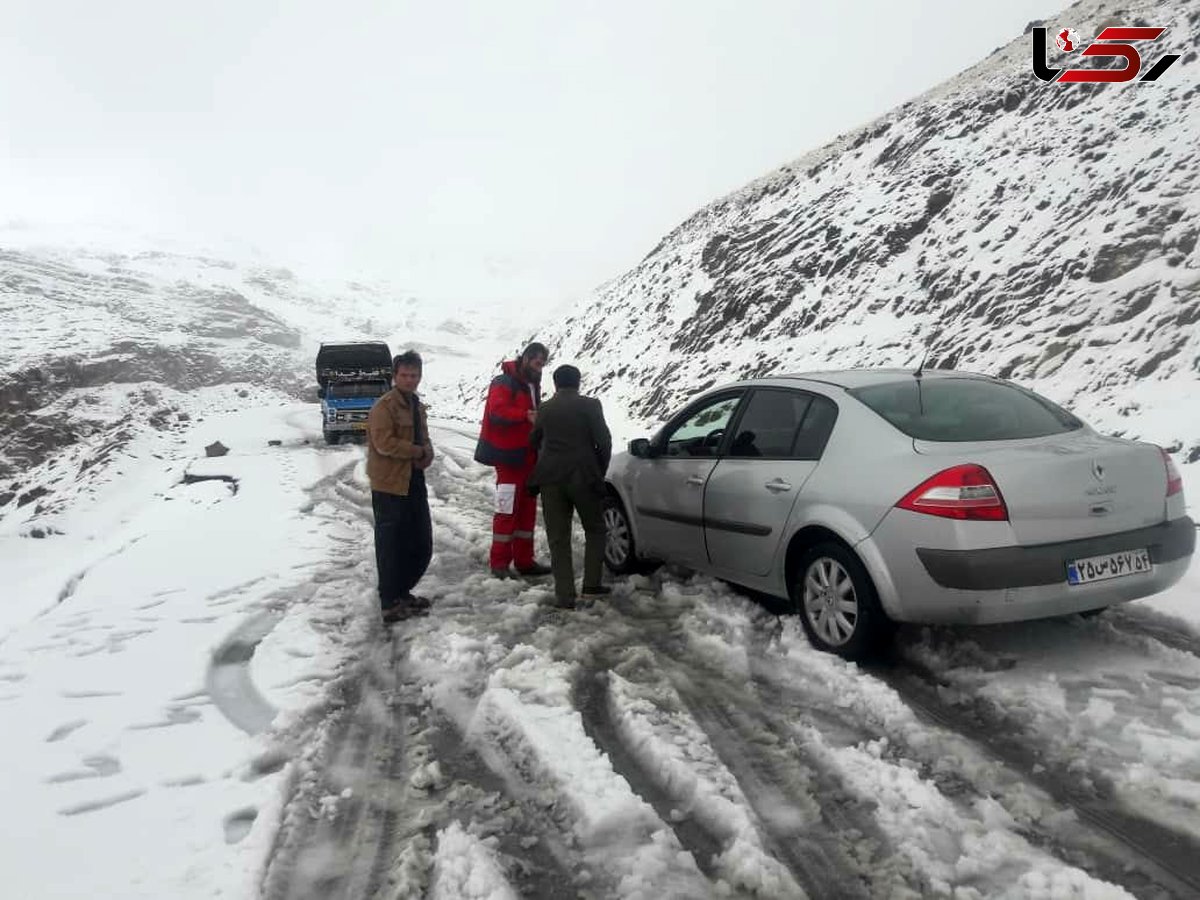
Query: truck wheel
(833, 595)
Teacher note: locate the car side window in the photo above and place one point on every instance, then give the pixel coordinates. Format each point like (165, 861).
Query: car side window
(770, 424)
(700, 433)
(815, 429)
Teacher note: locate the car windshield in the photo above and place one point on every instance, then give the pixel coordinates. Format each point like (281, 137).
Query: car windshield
(965, 409)
(344, 389)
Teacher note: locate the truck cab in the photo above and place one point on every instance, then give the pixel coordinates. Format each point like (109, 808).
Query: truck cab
(351, 376)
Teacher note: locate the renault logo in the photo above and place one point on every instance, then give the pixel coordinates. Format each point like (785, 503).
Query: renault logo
(1097, 470)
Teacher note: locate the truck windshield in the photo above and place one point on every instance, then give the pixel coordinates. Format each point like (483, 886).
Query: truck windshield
(344, 389)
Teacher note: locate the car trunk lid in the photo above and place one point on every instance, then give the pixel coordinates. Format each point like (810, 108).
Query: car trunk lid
(1068, 486)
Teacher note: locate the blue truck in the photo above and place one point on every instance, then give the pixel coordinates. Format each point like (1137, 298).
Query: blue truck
(351, 376)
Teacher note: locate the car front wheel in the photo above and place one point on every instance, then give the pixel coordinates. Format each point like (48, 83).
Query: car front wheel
(620, 551)
(837, 603)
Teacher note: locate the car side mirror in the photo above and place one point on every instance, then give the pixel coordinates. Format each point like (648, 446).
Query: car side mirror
(320, 392)
(639, 447)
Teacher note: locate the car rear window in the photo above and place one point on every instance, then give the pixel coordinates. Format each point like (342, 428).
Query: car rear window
(965, 409)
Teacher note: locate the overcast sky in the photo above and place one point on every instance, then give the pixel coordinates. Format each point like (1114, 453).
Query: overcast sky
(548, 144)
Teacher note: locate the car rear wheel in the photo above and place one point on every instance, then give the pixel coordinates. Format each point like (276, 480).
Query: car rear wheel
(837, 603)
(620, 551)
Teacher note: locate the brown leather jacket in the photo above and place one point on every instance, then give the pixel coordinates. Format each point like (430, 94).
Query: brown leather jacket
(390, 447)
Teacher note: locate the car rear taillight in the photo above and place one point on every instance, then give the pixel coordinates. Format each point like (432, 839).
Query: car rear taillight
(1174, 479)
(962, 492)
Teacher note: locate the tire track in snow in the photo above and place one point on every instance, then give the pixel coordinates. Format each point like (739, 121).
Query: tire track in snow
(1147, 625)
(1135, 852)
(781, 707)
(534, 860)
(592, 701)
(343, 751)
(822, 864)
(362, 798)
(307, 789)
(1112, 842)
(228, 678)
(778, 790)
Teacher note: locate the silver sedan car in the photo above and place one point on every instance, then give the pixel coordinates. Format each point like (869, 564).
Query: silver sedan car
(875, 496)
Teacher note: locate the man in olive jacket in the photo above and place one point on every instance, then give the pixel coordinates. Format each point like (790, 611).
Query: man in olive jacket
(398, 453)
(574, 447)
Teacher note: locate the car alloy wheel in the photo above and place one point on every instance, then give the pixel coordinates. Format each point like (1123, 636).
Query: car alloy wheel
(830, 601)
(835, 598)
(618, 542)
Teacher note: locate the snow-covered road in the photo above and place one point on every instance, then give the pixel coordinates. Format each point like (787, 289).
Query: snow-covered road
(204, 704)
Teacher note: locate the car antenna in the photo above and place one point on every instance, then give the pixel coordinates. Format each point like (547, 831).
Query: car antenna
(921, 365)
(918, 375)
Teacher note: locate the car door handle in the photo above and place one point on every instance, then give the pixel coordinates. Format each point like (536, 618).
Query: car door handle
(778, 485)
(696, 480)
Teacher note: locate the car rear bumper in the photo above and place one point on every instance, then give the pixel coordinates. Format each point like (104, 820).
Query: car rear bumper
(1007, 584)
(999, 568)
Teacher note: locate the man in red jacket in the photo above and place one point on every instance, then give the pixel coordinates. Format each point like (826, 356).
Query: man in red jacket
(512, 403)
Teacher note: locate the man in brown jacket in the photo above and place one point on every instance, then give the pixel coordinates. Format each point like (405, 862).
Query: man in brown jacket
(398, 453)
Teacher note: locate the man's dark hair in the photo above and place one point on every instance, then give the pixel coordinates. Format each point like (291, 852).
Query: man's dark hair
(534, 349)
(566, 377)
(410, 359)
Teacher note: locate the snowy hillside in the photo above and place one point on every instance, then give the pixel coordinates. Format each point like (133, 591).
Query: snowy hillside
(1046, 233)
(101, 346)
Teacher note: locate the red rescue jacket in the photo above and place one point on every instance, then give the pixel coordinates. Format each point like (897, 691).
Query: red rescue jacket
(504, 433)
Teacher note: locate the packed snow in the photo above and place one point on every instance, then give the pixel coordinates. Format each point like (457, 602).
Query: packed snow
(198, 691)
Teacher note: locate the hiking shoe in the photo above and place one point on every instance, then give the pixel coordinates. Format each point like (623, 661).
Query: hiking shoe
(506, 572)
(534, 569)
(402, 611)
(600, 590)
(397, 612)
(417, 602)
(563, 603)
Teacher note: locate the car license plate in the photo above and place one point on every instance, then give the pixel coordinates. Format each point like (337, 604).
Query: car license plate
(359, 426)
(1110, 565)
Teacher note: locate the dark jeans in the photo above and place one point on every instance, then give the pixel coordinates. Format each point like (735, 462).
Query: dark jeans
(403, 539)
(559, 503)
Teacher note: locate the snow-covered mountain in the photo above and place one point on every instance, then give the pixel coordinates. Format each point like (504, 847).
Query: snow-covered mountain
(1042, 232)
(101, 346)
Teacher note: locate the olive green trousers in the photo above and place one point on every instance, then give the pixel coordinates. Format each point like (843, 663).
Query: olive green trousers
(559, 504)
